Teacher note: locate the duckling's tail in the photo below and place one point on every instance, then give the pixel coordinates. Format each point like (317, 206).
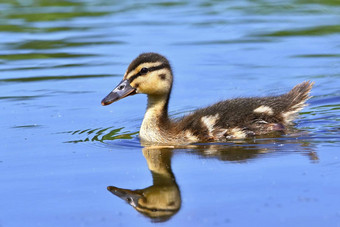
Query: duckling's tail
(296, 100)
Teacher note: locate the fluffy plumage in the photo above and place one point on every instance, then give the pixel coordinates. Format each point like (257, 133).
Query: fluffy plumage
(151, 74)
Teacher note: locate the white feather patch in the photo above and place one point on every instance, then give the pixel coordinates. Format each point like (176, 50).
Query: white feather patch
(264, 110)
(209, 122)
(238, 133)
(190, 137)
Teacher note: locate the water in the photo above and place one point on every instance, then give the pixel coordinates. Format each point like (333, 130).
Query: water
(61, 149)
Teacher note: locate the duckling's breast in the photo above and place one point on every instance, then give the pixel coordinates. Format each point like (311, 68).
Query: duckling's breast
(150, 132)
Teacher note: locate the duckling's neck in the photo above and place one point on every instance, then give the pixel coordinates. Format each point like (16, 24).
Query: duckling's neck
(156, 119)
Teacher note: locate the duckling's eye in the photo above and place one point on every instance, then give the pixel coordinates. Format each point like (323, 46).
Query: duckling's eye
(144, 70)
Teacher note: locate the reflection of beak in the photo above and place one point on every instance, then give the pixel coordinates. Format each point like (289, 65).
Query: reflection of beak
(129, 196)
(122, 90)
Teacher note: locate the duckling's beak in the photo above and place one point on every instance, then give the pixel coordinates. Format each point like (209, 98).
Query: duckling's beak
(129, 196)
(122, 90)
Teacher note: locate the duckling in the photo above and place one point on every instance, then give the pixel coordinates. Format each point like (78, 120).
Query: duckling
(239, 118)
(162, 199)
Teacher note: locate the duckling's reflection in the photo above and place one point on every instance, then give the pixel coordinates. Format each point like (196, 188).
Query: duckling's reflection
(161, 200)
(251, 150)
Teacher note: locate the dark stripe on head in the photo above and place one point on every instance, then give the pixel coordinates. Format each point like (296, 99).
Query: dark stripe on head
(155, 209)
(162, 66)
(147, 57)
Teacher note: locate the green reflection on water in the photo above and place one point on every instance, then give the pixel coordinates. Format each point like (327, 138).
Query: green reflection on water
(102, 134)
(34, 17)
(54, 66)
(328, 107)
(231, 41)
(27, 28)
(16, 28)
(25, 56)
(321, 2)
(317, 56)
(168, 4)
(40, 3)
(40, 10)
(43, 78)
(53, 44)
(313, 31)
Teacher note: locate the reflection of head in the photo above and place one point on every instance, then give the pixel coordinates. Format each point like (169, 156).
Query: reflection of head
(161, 200)
(158, 203)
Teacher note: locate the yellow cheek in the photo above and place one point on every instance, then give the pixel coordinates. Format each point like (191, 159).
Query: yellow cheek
(151, 87)
(138, 83)
(152, 84)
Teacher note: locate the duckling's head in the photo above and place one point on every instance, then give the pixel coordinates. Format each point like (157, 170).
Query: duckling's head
(149, 73)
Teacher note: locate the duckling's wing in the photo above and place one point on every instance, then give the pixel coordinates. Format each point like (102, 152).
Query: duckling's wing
(247, 116)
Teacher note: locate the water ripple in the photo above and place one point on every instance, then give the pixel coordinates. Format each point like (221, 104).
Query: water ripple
(101, 135)
(44, 78)
(25, 56)
(312, 31)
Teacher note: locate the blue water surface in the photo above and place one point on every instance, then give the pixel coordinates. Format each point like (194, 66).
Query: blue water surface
(60, 149)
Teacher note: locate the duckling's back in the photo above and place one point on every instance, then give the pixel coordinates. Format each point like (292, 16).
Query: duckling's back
(244, 117)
